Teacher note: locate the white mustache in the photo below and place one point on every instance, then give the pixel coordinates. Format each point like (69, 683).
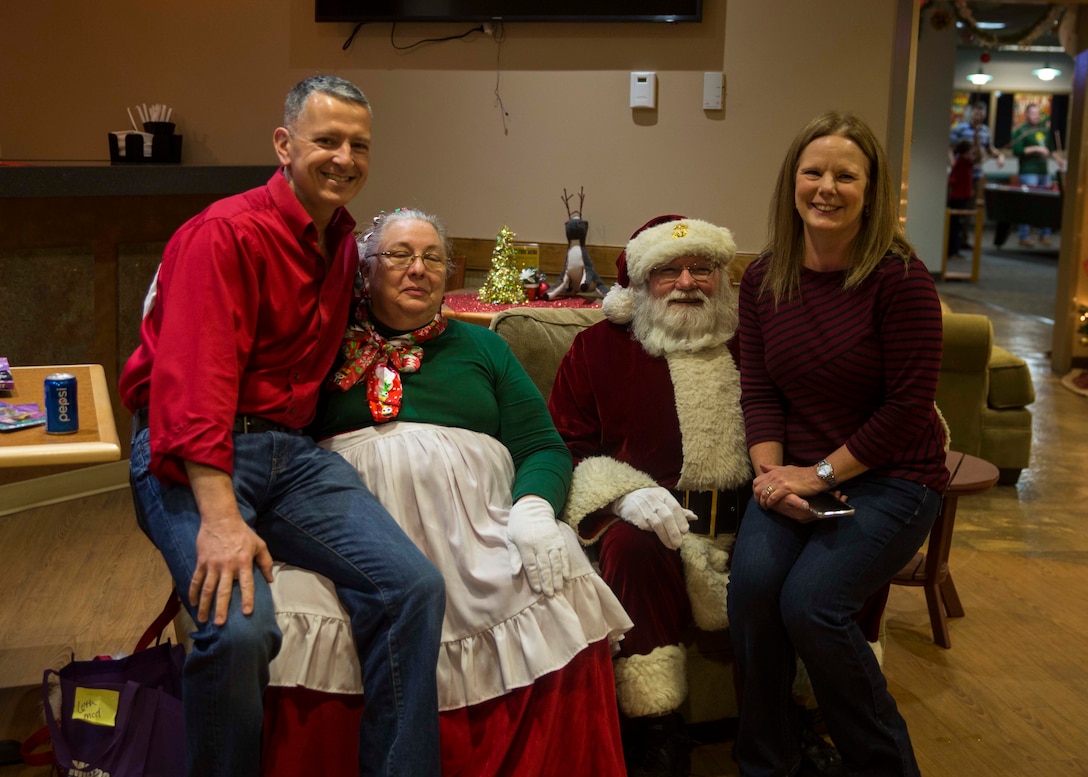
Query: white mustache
(696, 294)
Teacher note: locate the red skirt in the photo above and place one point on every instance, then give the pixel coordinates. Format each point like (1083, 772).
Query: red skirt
(566, 723)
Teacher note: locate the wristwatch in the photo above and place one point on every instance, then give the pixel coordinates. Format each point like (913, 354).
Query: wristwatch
(826, 473)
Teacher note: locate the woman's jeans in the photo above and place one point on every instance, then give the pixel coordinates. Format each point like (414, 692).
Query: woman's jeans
(793, 591)
(1034, 179)
(313, 511)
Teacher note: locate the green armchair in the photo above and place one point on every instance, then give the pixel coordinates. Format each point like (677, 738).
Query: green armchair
(983, 392)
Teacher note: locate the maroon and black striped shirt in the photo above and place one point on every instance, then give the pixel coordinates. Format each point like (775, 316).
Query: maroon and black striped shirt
(832, 367)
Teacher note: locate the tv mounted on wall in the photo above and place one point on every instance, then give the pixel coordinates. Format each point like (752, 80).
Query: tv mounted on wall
(508, 10)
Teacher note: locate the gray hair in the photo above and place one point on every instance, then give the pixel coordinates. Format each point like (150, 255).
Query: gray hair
(334, 86)
(371, 240)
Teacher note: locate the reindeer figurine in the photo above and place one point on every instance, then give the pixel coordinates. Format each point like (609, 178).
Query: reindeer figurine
(579, 275)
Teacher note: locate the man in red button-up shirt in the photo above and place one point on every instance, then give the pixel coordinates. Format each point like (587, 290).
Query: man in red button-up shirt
(251, 302)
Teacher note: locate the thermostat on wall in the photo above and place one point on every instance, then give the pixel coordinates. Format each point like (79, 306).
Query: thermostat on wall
(644, 90)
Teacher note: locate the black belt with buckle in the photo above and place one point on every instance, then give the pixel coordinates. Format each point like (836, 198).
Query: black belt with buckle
(243, 424)
(717, 512)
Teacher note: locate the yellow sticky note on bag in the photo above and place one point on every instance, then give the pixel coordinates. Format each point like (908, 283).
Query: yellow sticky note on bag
(97, 706)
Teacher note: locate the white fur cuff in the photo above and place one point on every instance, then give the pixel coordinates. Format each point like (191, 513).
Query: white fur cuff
(597, 482)
(706, 577)
(652, 684)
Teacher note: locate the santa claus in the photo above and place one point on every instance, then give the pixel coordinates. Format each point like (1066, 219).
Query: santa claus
(648, 401)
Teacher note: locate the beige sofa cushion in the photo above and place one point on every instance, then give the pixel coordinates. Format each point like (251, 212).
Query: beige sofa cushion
(540, 337)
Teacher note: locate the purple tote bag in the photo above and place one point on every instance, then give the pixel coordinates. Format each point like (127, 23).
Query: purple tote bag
(120, 716)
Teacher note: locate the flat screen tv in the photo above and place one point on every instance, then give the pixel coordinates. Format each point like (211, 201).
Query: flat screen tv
(508, 10)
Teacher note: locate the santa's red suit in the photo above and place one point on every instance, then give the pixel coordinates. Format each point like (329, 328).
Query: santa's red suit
(634, 421)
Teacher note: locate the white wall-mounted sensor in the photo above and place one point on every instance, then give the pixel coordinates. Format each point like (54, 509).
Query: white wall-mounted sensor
(712, 91)
(644, 90)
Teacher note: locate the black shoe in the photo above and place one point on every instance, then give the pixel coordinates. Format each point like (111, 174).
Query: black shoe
(819, 758)
(656, 746)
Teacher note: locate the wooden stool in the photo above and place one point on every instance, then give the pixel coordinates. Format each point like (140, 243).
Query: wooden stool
(929, 569)
(976, 248)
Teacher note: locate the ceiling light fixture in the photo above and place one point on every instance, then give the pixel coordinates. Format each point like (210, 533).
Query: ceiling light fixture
(979, 78)
(1046, 73)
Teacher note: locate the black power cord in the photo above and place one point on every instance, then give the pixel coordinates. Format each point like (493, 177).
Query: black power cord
(479, 28)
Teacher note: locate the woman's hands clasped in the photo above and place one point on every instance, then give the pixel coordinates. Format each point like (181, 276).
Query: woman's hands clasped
(785, 489)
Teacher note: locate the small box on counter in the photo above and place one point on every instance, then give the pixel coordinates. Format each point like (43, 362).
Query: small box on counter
(7, 381)
(127, 148)
(157, 143)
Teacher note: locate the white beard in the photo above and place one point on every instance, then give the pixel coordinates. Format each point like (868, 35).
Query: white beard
(662, 328)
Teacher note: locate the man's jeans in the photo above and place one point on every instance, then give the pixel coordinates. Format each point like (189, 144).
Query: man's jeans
(313, 511)
(1034, 179)
(793, 591)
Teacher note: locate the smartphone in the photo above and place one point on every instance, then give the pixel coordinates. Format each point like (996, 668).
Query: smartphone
(824, 505)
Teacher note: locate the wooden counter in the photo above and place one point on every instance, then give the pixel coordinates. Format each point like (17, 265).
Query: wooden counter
(95, 442)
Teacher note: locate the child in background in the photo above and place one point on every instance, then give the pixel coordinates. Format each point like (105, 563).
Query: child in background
(961, 193)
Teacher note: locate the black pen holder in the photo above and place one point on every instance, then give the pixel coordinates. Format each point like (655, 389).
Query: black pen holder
(165, 146)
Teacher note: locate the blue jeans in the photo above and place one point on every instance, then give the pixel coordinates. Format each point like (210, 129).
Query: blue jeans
(1034, 179)
(313, 511)
(793, 592)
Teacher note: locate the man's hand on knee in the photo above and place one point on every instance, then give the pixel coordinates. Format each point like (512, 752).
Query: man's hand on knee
(226, 547)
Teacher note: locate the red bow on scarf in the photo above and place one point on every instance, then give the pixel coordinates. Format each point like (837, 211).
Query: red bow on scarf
(380, 362)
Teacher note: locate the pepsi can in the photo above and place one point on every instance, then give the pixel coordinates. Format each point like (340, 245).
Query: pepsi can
(61, 408)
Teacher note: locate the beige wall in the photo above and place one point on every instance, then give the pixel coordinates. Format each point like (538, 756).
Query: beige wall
(69, 69)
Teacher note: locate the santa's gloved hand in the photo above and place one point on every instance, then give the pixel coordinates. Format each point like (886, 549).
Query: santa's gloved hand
(655, 509)
(535, 543)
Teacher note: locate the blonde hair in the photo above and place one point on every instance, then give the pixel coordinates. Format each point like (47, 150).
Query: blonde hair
(880, 232)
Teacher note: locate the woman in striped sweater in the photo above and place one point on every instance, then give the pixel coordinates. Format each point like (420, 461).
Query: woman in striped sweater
(840, 347)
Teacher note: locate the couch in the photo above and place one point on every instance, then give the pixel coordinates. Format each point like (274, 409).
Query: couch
(983, 392)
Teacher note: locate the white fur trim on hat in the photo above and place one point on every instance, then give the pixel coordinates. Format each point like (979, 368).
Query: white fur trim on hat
(673, 239)
(618, 304)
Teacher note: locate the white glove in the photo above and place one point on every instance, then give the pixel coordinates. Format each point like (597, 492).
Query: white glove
(655, 509)
(535, 543)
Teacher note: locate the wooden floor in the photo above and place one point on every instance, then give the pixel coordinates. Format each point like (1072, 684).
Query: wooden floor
(1009, 699)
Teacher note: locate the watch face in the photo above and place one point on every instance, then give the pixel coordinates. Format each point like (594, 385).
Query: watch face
(824, 471)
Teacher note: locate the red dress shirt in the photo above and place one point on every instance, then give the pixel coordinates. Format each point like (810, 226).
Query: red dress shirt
(247, 321)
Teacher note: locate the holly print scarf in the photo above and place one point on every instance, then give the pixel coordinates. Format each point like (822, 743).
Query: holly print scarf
(378, 361)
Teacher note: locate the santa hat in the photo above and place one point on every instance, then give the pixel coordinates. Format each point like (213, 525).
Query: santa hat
(657, 242)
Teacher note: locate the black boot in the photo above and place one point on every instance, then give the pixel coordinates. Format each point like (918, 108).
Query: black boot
(656, 746)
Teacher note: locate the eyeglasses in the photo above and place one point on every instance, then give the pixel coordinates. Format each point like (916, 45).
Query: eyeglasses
(671, 273)
(402, 260)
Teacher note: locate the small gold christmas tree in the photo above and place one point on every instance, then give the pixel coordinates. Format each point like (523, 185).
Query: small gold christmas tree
(503, 283)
